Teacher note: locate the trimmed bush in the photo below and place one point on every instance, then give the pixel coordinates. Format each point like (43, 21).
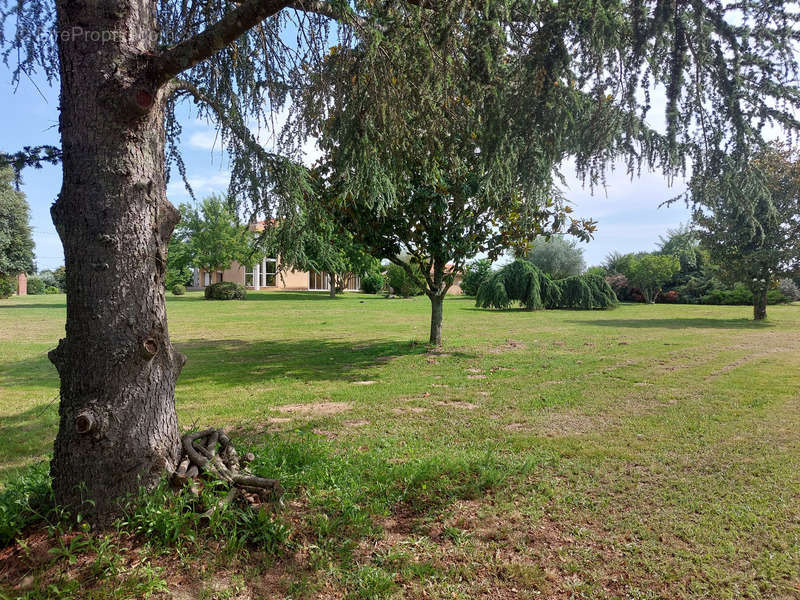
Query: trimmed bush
(740, 295)
(8, 285)
(51, 289)
(372, 283)
(178, 289)
(35, 286)
(225, 290)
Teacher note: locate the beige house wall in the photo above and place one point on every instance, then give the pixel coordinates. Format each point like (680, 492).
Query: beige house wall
(289, 280)
(293, 280)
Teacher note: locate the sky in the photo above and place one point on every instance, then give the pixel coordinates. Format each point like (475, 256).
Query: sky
(627, 211)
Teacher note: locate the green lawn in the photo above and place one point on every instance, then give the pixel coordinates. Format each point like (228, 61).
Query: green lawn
(644, 452)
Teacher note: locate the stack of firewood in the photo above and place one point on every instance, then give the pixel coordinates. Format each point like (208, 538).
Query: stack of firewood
(210, 453)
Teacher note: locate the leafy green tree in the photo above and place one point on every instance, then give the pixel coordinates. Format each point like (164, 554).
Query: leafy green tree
(697, 275)
(179, 261)
(213, 235)
(557, 256)
(326, 248)
(475, 273)
(749, 220)
(650, 272)
(16, 241)
(726, 68)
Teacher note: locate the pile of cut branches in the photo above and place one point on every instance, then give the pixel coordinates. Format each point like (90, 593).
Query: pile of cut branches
(211, 454)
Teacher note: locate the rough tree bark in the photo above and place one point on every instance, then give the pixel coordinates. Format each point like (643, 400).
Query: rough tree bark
(760, 304)
(118, 427)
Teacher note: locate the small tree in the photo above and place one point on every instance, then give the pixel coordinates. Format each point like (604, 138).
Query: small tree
(179, 261)
(214, 235)
(557, 256)
(329, 249)
(16, 242)
(650, 272)
(749, 219)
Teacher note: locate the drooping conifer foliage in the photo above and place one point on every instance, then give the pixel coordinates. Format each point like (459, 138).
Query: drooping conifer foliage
(569, 78)
(523, 282)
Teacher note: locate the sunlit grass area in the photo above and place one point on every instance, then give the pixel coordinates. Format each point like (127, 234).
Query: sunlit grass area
(642, 452)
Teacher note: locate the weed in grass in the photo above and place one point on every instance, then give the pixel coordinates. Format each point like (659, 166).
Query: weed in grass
(26, 499)
(370, 583)
(169, 519)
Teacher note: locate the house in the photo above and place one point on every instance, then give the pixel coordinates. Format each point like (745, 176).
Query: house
(267, 275)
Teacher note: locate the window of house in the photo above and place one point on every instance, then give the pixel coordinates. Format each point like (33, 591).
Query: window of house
(268, 272)
(219, 276)
(318, 281)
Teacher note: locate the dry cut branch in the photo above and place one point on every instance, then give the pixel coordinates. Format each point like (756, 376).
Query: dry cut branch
(210, 454)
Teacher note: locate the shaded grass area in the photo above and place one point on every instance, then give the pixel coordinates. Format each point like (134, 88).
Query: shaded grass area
(645, 452)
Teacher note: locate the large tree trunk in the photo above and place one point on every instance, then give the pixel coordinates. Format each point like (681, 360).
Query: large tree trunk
(332, 285)
(760, 304)
(118, 427)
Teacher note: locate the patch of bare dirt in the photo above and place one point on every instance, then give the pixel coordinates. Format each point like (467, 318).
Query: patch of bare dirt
(464, 405)
(315, 409)
(278, 420)
(358, 423)
(365, 382)
(508, 346)
(409, 409)
(331, 435)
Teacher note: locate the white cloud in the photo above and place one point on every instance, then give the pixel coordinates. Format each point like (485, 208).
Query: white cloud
(206, 139)
(202, 185)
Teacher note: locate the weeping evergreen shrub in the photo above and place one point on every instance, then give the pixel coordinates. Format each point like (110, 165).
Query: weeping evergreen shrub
(519, 280)
(550, 291)
(525, 283)
(576, 293)
(603, 295)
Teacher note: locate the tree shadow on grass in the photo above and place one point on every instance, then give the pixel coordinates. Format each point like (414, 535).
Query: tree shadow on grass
(239, 362)
(678, 323)
(60, 306)
(26, 435)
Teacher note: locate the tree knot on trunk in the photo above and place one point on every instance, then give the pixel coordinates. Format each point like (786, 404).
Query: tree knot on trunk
(149, 348)
(92, 421)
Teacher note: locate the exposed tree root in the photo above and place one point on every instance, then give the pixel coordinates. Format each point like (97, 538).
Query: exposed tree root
(209, 454)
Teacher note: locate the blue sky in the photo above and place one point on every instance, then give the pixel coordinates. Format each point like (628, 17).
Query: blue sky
(627, 211)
